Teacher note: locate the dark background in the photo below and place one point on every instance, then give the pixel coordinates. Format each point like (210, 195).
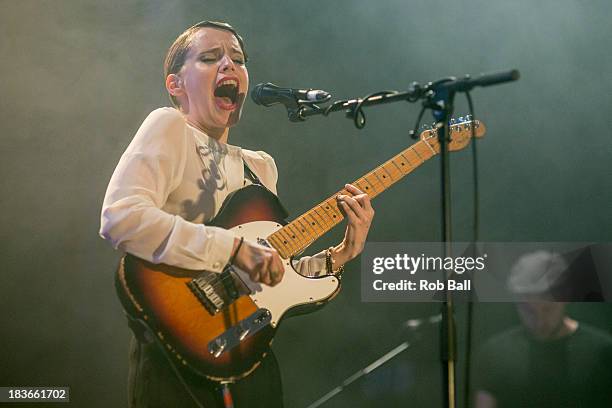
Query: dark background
(78, 78)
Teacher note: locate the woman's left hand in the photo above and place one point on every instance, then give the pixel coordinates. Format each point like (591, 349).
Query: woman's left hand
(358, 210)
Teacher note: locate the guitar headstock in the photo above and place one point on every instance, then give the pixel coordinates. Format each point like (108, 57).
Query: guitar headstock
(460, 133)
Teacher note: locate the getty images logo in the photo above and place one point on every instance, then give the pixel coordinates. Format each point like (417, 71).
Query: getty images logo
(412, 265)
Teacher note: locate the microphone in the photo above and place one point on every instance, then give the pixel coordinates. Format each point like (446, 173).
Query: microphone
(269, 94)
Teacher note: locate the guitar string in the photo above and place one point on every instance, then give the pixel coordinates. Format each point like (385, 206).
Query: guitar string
(328, 203)
(376, 185)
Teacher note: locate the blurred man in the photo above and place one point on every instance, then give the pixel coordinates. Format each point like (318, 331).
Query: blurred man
(551, 360)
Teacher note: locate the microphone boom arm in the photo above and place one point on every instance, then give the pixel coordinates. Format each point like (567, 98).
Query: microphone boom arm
(303, 109)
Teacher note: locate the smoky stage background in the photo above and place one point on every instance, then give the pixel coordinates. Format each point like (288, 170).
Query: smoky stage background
(78, 77)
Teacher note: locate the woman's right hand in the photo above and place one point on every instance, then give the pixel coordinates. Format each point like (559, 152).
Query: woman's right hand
(263, 264)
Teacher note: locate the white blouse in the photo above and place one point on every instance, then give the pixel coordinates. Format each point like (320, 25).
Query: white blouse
(171, 180)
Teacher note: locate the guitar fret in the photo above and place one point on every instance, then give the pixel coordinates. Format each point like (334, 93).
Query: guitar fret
(384, 187)
(333, 209)
(303, 228)
(304, 235)
(387, 176)
(416, 154)
(326, 205)
(328, 220)
(273, 241)
(397, 167)
(379, 183)
(296, 239)
(323, 223)
(357, 183)
(408, 163)
(315, 223)
(292, 242)
(422, 150)
(313, 231)
(433, 151)
(279, 246)
(325, 214)
(370, 183)
(362, 184)
(285, 239)
(295, 235)
(387, 171)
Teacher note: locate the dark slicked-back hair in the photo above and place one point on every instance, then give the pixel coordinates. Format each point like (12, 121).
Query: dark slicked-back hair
(177, 53)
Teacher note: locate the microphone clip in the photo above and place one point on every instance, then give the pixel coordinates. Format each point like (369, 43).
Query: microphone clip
(296, 114)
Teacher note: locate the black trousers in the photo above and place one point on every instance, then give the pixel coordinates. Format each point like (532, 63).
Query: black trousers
(152, 383)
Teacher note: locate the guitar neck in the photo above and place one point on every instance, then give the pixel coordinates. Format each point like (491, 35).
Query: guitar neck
(296, 236)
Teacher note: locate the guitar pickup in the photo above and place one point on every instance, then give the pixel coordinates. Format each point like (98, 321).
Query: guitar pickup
(235, 334)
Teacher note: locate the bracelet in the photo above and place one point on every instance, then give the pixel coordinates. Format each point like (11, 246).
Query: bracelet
(233, 257)
(329, 263)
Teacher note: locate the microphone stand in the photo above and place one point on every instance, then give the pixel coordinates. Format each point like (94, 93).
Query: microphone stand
(439, 97)
(413, 325)
(361, 373)
(441, 102)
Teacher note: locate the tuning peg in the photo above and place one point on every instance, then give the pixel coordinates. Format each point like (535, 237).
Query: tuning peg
(460, 119)
(452, 121)
(469, 118)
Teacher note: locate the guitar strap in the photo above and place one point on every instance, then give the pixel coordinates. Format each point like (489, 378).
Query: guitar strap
(250, 175)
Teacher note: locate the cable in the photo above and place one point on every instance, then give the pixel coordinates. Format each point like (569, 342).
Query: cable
(359, 118)
(414, 132)
(475, 170)
(476, 226)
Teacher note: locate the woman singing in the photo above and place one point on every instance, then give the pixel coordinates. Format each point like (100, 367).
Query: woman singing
(173, 178)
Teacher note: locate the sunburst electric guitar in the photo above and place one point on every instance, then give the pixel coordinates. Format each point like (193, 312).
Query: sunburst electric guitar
(220, 326)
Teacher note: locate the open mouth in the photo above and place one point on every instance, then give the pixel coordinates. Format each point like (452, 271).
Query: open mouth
(226, 93)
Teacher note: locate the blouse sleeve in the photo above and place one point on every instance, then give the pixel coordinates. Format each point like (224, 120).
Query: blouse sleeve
(132, 218)
(311, 266)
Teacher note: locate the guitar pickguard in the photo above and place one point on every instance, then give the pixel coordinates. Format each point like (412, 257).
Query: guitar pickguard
(294, 290)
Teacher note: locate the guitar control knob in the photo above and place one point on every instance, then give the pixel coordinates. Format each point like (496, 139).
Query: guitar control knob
(218, 346)
(242, 331)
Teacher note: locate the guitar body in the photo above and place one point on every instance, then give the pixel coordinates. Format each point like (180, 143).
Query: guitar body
(226, 338)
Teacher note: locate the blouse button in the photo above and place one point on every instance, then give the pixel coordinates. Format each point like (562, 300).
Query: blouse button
(217, 265)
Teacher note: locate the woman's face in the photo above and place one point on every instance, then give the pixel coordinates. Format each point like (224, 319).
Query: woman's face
(214, 79)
